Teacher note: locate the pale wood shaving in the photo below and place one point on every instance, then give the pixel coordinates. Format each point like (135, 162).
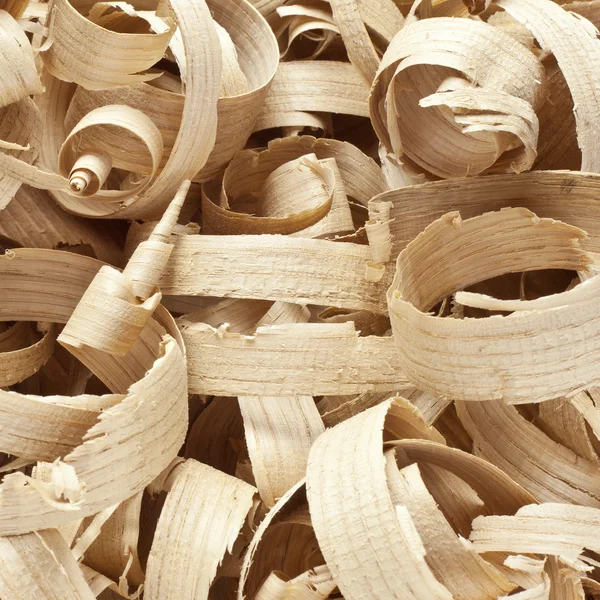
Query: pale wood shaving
(279, 434)
(561, 420)
(565, 196)
(279, 210)
(410, 304)
(362, 567)
(16, 49)
(568, 36)
(274, 268)
(220, 524)
(19, 131)
(335, 360)
(555, 529)
(21, 357)
(324, 86)
(499, 72)
(361, 51)
(529, 457)
(457, 567)
(117, 541)
(25, 556)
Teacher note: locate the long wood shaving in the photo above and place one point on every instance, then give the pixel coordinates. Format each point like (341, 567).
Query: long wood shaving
(280, 211)
(566, 196)
(361, 51)
(74, 485)
(78, 63)
(20, 355)
(114, 551)
(324, 86)
(16, 84)
(117, 306)
(335, 360)
(566, 530)
(529, 457)
(19, 129)
(274, 268)
(456, 567)
(34, 220)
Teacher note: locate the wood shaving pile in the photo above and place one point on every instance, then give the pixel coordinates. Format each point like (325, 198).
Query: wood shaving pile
(299, 299)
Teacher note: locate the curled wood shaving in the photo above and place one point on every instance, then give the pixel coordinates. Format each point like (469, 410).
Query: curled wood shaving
(19, 74)
(24, 557)
(496, 489)
(361, 51)
(57, 298)
(87, 154)
(257, 56)
(280, 209)
(76, 489)
(78, 62)
(19, 357)
(279, 434)
(206, 542)
(456, 566)
(568, 36)
(306, 23)
(288, 526)
(347, 531)
(555, 529)
(563, 422)
(77, 485)
(30, 437)
(498, 77)
(114, 552)
(517, 372)
(190, 150)
(116, 307)
(19, 131)
(324, 86)
(564, 196)
(529, 456)
(360, 174)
